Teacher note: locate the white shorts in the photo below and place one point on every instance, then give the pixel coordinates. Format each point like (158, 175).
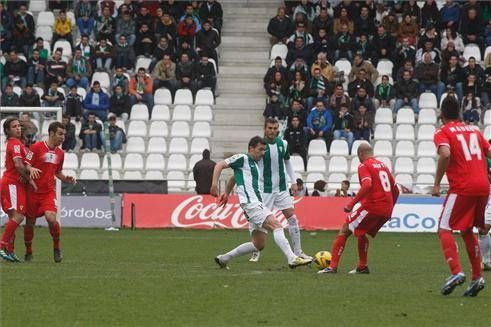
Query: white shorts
(256, 213)
(487, 214)
(277, 201)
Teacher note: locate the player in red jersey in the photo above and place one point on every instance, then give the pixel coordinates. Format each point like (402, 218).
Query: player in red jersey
(48, 157)
(377, 196)
(13, 185)
(462, 150)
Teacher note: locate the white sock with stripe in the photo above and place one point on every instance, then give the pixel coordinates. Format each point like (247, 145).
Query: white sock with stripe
(294, 232)
(242, 249)
(282, 242)
(485, 245)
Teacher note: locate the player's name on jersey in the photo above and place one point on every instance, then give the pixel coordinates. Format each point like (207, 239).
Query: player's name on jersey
(466, 128)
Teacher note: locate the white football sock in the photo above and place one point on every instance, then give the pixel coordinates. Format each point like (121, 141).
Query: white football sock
(294, 232)
(485, 244)
(242, 249)
(282, 242)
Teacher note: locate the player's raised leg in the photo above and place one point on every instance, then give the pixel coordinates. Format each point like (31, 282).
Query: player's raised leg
(294, 231)
(337, 250)
(256, 245)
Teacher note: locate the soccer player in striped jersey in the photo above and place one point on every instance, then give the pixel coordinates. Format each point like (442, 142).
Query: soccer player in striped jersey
(261, 219)
(276, 170)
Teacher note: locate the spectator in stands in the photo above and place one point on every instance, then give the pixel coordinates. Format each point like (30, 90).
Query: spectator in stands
(22, 37)
(304, 12)
(385, 94)
(53, 97)
(319, 122)
(471, 109)
(319, 87)
(56, 69)
(273, 108)
(364, 23)
(85, 11)
(125, 25)
(9, 97)
(145, 41)
(59, 4)
(343, 125)
(427, 74)
(404, 52)
(319, 189)
(96, 102)
(279, 86)
(187, 49)
(343, 19)
(299, 66)
(164, 74)
(29, 130)
(39, 46)
(174, 8)
(322, 21)
(280, 27)
(407, 93)
(391, 24)
(364, 47)
(408, 65)
(120, 103)
(327, 70)
(360, 64)
(185, 73)
(189, 11)
(26, 17)
(36, 68)
(207, 40)
(473, 68)
(323, 43)
(451, 35)
(448, 52)
(339, 98)
(120, 79)
(15, 70)
(116, 135)
(408, 29)
(140, 88)
(296, 109)
(299, 89)
(205, 74)
(362, 98)
(29, 97)
(186, 29)
(163, 48)
(430, 14)
(277, 67)
(62, 28)
(361, 81)
(300, 32)
(472, 86)
(452, 76)
(87, 49)
(79, 71)
(105, 26)
(203, 173)
(298, 50)
(70, 141)
(73, 104)
(166, 27)
(90, 133)
(212, 9)
(345, 44)
(430, 35)
(383, 45)
(301, 189)
(363, 121)
(449, 14)
(123, 54)
(344, 191)
(103, 55)
(412, 9)
(428, 48)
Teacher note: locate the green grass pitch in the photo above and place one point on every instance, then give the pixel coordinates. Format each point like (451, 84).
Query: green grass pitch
(168, 278)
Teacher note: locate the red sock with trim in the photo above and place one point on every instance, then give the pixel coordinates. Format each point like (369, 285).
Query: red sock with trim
(337, 250)
(54, 230)
(28, 237)
(8, 234)
(363, 251)
(449, 248)
(473, 251)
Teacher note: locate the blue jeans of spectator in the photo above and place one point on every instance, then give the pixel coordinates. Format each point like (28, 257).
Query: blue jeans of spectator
(436, 89)
(362, 134)
(412, 102)
(104, 63)
(348, 54)
(147, 99)
(90, 141)
(130, 38)
(35, 76)
(339, 133)
(83, 82)
(472, 115)
(85, 26)
(116, 142)
(69, 143)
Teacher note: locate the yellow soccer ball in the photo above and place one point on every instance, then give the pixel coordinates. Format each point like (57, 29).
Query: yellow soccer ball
(322, 259)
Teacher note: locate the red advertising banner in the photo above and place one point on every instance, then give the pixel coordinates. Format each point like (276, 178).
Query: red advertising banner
(202, 212)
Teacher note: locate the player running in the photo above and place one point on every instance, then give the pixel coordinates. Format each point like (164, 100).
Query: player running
(13, 185)
(48, 157)
(462, 152)
(261, 220)
(377, 195)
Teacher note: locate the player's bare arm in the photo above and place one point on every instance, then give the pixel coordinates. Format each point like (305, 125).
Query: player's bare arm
(66, 179)
(443, 161)
(217, 171)
(366, 185)
(228, 189)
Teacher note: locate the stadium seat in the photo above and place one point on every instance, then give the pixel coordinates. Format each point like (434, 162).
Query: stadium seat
(176, 181)
(132, 176)
(183, 96)
(155, 161)
(297, 163)
(383, 116)
(355, 162)
(203, 113)
(213, 62)
(404, 165)
(66, 46)
(487, 132)
(405, 132)
(37, 5)
(316, 164)
(425, 181)
(487, 118)
(317, 148)
(82, 92)
(139, 112)
(17, 90)
(160, 112)
(135, 145)
(472, 50)
(383, 148)
(278, 50)
(354, 183)
(405, 149)
(157, 145)
(70, 162)
(152, 175)
(383, 132)
(115, 173)
(137, 128)
(426, 166)
(178, 145)
(143, 62)
(343, 65)
(404, 179)
(356, 144)
(90, 160)
(386, 161)
(88, 174)
(39, 91)
(45, 126)
(181, 112)
(338, 165)
(71, 16)
(314, 177)
(198, 145)
(179, 129)
(427, 116)
(334, 180)
(45, 32)
(427, 100)
(204, 97)
(45, 18)
(116, 162)
(444, 95)
(426, 132)
(384, 67)
(177, 162)
(486, 52)
(102, 78)
(201, 129)
(193, 160)
(158, 128)
(162, 96)
(339, 148)
(426, 149)
(405, 116)
(66, 172)
(133, 161)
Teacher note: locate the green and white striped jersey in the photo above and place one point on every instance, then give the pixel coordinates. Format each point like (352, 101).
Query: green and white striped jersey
(247, 179)
(272, 166)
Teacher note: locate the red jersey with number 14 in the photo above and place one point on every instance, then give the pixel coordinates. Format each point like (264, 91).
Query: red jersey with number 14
(50, 162)
(467, 171)
(380, 199)
(14, 149)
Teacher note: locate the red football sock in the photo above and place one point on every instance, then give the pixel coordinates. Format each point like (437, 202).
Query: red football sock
(450, 251)
(8, 234)
(11, 246)
(337, 250)
(54, 230)
(363, 251)
(472, 246)
(28, 237)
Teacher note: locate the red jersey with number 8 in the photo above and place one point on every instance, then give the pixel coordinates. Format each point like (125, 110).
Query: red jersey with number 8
(380, 199)
(467, 171)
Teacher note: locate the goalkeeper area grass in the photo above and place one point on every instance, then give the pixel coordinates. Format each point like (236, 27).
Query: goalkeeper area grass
(169, 278)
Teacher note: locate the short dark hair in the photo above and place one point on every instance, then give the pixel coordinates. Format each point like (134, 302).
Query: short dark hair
(270, 120)
(91, 114)
(450, 108)
(66, 116)
(53, 127)
(7, 122)
(346, 182)
(253, 142)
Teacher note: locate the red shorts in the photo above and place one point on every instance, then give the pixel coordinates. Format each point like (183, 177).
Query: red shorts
(462, 212)
(362, 222)
(39, 203)
(13, 196)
